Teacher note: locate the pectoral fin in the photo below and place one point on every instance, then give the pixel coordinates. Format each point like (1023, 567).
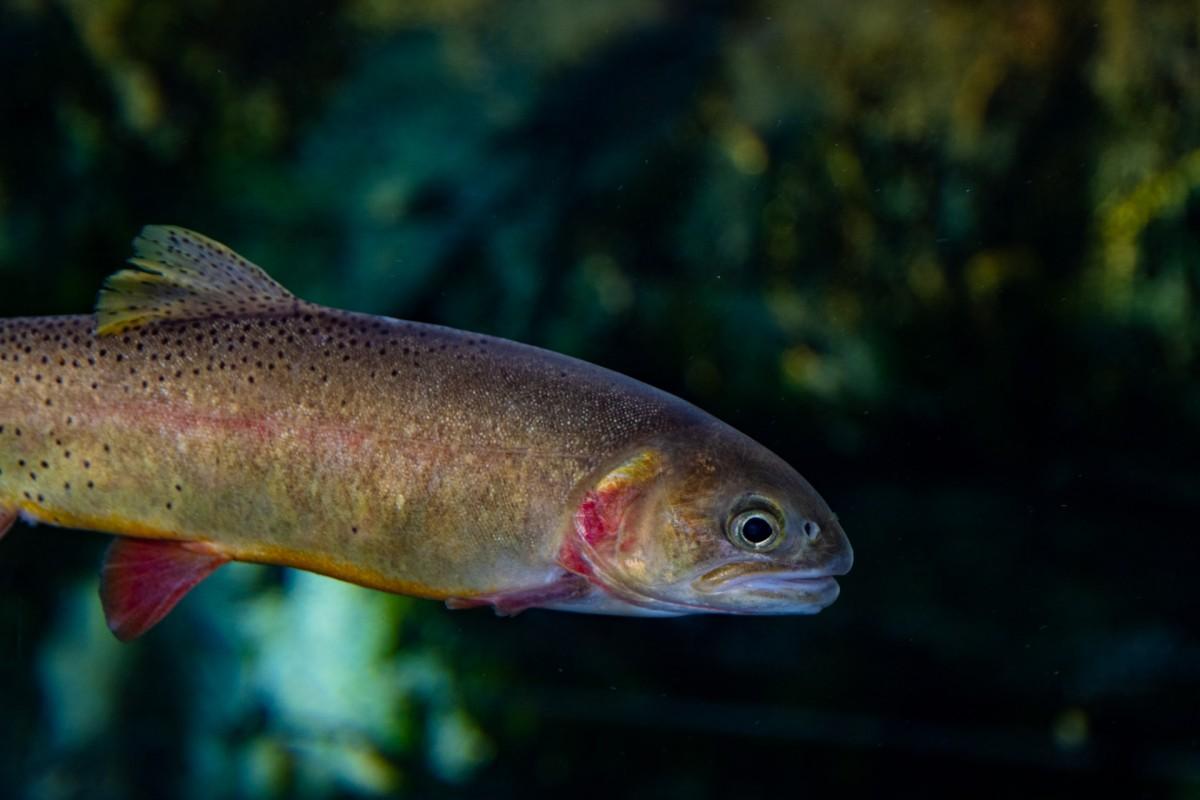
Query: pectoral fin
(143, 579)
(7, 518)
(514, 601)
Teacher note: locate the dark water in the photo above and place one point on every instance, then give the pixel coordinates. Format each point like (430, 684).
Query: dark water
(942, 257)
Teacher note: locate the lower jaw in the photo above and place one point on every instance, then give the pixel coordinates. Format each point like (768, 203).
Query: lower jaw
(798, 596)
(747, 595)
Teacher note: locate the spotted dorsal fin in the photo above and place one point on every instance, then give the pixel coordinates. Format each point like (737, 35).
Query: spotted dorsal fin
(178, 274)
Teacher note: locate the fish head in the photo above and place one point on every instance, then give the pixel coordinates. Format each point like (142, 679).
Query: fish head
(709, 522)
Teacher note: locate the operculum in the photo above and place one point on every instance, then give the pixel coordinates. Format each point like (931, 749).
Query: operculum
(602, 539)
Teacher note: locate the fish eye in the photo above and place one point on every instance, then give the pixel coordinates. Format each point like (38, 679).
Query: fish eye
(756, 530)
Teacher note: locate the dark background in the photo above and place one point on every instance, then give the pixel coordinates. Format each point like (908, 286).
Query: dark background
(941, 256)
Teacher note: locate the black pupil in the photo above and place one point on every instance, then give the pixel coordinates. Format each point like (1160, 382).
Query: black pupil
(756, 530)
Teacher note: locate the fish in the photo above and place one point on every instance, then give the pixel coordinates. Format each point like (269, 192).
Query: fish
(204, 414)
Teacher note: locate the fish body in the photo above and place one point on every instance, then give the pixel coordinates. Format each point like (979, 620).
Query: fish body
(208, 415)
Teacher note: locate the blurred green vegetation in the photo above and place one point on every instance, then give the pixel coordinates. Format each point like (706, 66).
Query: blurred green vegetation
(942, 256)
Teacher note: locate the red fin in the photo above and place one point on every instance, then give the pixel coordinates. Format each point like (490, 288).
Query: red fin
(7, 518)
(143, 579)
(511, 603)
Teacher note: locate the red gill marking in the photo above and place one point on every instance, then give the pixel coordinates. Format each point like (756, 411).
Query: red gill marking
(589, 520)
(597, 523)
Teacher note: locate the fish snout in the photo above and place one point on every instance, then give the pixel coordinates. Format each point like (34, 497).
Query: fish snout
(826, 547)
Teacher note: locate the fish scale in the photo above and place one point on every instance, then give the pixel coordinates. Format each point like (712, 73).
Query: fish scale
(204, 405)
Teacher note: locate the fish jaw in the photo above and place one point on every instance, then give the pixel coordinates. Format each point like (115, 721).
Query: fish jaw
(755, 586)
(759, 589)
(738, 588)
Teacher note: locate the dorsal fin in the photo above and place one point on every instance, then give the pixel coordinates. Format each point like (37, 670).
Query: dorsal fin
(179, 274)
(143, 579)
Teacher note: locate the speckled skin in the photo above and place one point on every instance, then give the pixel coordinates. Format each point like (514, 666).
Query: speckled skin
(407, 457)
(204, 403)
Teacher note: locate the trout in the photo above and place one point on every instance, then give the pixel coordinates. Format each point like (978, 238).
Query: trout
(204, 414)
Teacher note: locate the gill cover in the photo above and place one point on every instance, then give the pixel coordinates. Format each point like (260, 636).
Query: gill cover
(593, 548)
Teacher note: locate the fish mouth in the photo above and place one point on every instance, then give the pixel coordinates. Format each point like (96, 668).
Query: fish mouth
(812, 588)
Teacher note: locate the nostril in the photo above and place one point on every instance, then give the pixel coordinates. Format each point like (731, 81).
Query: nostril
(811, 529)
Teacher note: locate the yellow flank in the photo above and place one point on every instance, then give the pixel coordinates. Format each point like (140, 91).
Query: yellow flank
(314, 562)
(110, 523)
(360, 574)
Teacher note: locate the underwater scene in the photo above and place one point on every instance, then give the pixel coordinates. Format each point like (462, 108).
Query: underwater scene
(941, 259)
